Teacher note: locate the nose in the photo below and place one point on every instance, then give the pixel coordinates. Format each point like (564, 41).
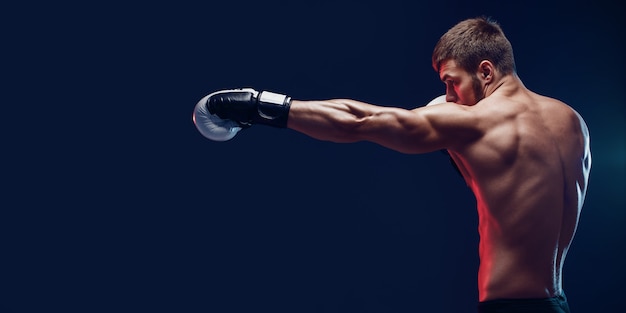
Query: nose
(450, 94)
(450, 97)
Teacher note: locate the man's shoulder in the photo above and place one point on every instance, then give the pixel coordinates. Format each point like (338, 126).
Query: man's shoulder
(498, 105)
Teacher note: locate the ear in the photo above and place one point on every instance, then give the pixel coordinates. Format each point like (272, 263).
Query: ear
(486, 71)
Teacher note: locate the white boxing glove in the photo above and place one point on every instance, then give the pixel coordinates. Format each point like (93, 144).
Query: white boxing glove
(212, 126)
(438, 100)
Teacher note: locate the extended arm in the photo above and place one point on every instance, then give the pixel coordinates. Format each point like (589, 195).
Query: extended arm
(341, 120)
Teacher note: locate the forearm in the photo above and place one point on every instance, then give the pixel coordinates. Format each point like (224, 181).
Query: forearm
(338, 120)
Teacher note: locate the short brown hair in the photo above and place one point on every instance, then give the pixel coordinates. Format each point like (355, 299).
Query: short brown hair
(473, 40)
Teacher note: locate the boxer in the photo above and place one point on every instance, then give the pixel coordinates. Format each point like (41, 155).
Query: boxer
(525, 156)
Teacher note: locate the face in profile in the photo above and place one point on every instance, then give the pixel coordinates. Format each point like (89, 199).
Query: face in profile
(461, 87)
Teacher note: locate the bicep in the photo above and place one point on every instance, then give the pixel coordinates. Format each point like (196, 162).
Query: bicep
(425, 129)
(401, 130)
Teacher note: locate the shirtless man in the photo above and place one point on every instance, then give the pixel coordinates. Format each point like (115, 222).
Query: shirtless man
(525, 156)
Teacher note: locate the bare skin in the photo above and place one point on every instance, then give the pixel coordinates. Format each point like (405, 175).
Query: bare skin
(526, 157)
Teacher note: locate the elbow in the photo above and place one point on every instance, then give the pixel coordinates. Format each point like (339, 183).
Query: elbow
(348, 129)
(350, 123)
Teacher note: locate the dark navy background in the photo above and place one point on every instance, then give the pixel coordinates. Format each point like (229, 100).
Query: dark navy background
(113, 202)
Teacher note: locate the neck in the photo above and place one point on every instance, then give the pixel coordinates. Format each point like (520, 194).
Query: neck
(507, 85)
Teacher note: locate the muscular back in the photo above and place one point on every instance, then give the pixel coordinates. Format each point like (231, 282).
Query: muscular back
(528, 172)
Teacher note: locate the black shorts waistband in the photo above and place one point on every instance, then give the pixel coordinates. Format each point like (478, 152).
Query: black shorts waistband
(556, 304)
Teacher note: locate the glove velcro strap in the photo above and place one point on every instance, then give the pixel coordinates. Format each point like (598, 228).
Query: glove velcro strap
(273, 109)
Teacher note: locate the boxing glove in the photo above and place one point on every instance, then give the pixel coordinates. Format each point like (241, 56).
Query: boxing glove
(437, 100)
(247, 106)
(220, 115)
(212, 126)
